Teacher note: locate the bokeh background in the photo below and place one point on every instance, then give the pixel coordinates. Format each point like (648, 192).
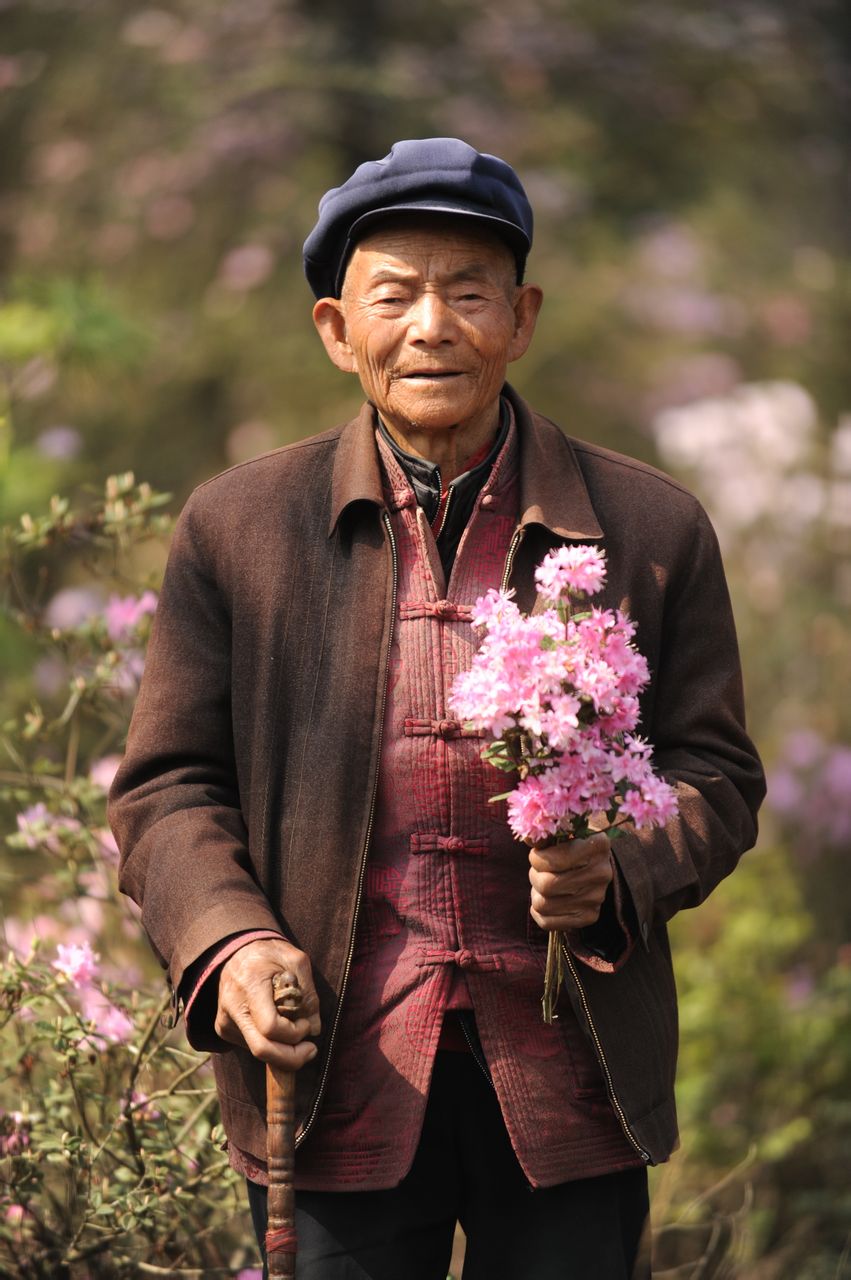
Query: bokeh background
(688, 165)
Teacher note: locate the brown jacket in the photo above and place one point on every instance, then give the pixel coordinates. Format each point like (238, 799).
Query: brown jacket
(245, 797)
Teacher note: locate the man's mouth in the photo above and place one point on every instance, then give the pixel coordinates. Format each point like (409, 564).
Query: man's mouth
(431, 375)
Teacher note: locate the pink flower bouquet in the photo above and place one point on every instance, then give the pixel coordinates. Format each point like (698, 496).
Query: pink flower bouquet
(557, 692)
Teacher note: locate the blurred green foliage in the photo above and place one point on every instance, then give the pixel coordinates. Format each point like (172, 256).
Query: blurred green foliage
(159, 170)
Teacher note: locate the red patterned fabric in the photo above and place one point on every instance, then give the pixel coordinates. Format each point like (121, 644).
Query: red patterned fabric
(444, 920)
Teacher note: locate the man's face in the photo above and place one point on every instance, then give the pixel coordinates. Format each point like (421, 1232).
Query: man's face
(429, 318)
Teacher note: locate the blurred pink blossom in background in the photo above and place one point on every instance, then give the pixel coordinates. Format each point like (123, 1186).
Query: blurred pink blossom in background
(124, 613)
(72, 606)
(112, 1026)
(108, 846)
(246, 268)
(140, 1105)
(62, 443)
(104, 770)
(22, 936)
(14, 1137)
(38, 826)
(809, 789)
(76, 963)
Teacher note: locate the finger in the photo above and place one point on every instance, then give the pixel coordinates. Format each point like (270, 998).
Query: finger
(241, 1029)
(579, 917)
(254, 1008)
(568, 855)
(581, 880)
(227, 1029)
(249, 985)
(565, 904)
(288, 1057)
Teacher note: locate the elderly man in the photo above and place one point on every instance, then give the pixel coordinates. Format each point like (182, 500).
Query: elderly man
(297, 794)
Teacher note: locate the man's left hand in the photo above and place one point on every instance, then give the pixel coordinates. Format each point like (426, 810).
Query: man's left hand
(569, 881)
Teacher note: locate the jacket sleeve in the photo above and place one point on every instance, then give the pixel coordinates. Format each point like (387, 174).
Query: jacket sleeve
(697, 726)
(175, 805)
(199, 989)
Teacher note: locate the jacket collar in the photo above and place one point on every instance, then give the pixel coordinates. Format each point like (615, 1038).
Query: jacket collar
(553, 492)
(357, 476)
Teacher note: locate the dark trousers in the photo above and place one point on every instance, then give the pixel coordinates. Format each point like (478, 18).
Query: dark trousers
(465, 1170)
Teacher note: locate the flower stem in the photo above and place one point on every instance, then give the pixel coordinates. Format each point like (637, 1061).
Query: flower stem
(553, 976)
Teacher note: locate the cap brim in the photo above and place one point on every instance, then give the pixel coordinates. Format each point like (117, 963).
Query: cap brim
(514, 235)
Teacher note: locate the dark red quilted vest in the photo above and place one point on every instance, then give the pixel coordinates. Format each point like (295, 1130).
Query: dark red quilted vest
(444, 919)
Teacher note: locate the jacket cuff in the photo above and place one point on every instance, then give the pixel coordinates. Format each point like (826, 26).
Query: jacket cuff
(199, 989)
(607, 944)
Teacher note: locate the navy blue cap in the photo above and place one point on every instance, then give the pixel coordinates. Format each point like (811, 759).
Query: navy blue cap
(420, 175)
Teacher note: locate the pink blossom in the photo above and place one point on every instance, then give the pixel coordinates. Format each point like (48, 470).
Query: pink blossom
(495, 606)
(73, 607)
(87, 912)
(837, 773)
(22, 937)
(563, 697)
(60, 442)
(810, 790)
(632, 763)
(529, 811)
(108, 845)
(803, 748)
(111, 1024)
(14, 1135)
(579, 568)
(40, 827)
(560, 722)
(597, 681)
(800, 986)
(124, 613)
(786, 792)
(651, 805)
(76, 963)
(127, 675)
(140, 1105)
(246, 267)
(104, 770)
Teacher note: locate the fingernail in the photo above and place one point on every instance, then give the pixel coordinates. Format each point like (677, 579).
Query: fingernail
(312, 1053)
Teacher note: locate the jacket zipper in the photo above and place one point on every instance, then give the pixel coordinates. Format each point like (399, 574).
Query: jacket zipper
(475, 1048)
(516, 539)
(610, 1088)
(317, 1100)
(445, 513)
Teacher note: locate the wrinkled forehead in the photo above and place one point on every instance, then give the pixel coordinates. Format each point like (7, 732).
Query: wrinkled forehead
(424, 239)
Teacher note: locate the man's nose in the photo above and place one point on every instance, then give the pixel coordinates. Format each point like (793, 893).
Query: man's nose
(431, 321)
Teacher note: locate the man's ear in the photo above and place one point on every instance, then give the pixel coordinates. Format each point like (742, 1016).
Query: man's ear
(331, 327)
(527, 304)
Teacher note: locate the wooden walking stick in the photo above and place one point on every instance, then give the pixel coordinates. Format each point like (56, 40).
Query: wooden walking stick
(280, 1143)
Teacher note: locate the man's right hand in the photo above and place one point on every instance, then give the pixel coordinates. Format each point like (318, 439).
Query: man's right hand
(247, 1015)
